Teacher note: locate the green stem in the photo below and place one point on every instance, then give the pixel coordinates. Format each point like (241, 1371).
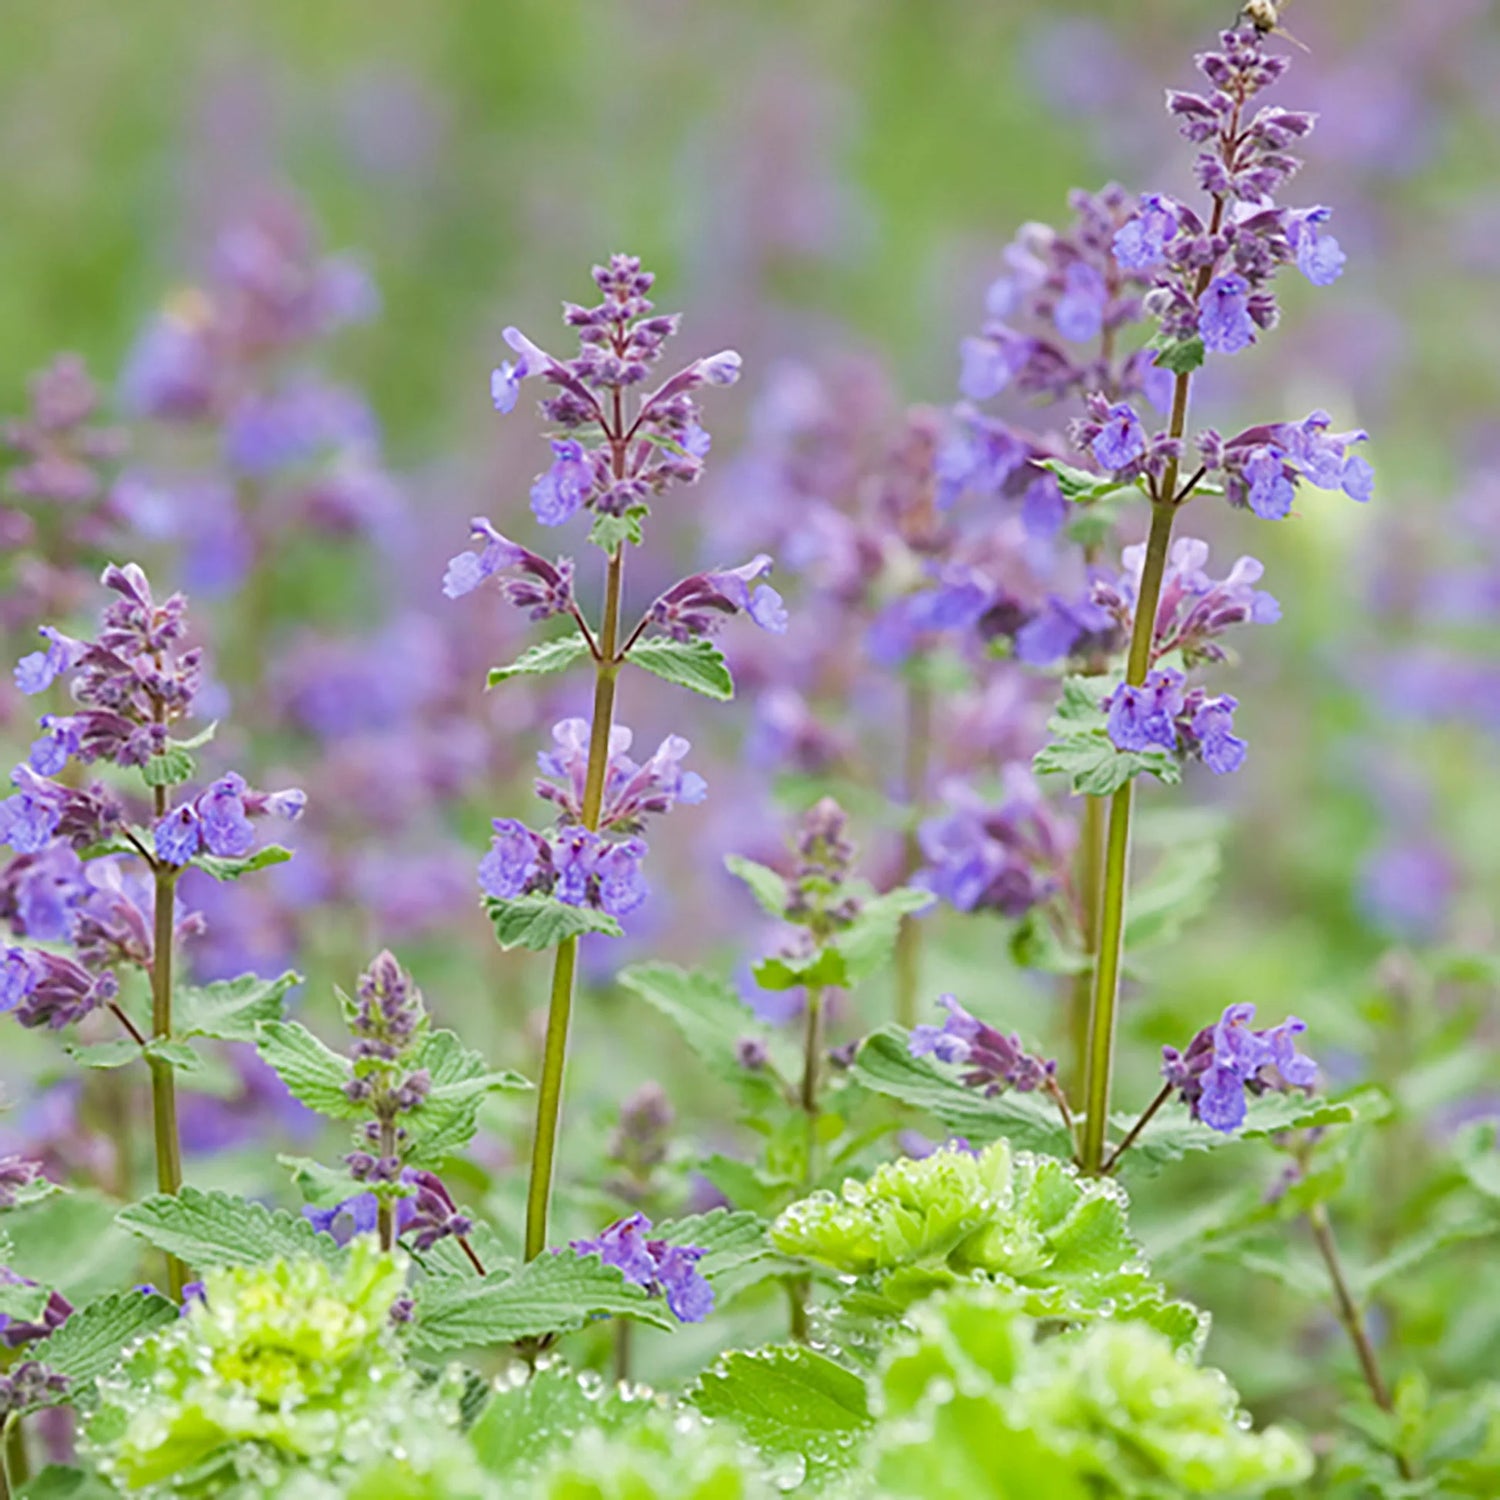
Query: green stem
(798, 1288)
(385, 1208)
(1353, 1321)
(17, 1466)
(565, 966)
(917, 760)
(1090, 879)
(163, 1077)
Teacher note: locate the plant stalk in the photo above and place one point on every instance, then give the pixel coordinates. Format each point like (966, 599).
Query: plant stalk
(798, 1288)
(915, 771)
(17, 1466)
(385, 1208)
(1090, 880)
(565, 966)
(163, 1076)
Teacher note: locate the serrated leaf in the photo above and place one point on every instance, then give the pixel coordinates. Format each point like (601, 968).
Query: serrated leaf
(116, 843)
(1083, 486)
(543, 659)
(540, 922)
(768, 888)
(789, 1401)
(551, 1294)
(70, 1241)
(1080, 704)
(231, 869)
(1034, 944)
(23, 1304)
(118, 1053)
(171, 768)
(1180, 356)
(448, 1117)
(218, 1229)
(1095, 768)
(231, 1009)
(321, 1186)
(312, 1072)
(885, 1065)
(695, 664)
(176, 1054)
(737, 1249)
(708, 1013)
(88, 1345)
(867, 944)
(824, 968)
(609, 532)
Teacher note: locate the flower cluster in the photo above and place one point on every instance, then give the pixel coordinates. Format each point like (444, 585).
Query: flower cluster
(621, 339)
(1006, 857)
(695, 606)
(992, 1061)
(663, 1269)
(28, 1385)
(1263, 465)
(1163, 714)
(1194, 609)
(639, 1144)
(1230, 1059)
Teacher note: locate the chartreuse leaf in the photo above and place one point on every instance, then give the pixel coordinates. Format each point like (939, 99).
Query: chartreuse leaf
(230, 1009)
(885, 1064)
(529, 1420)
(57, 1483)
(551, 1294)
(697, 664)
(312, 1072)
(737, 1250)
(1083, 486)
(709, 1014)
(172, 767)
(1059, 1242)
(89, 1343)
(543, 659)
(768, 888)
(447, 1118)
(539, 922)
(1180, 356)
(231, 869)
(789, 1402)
(218, 1229)
(979, 1408)
(609, 532)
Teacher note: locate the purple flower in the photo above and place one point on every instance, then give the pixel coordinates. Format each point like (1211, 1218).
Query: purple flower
(50, 990)
(179, 835)
(507, 870)
(1319, 256)
(1141, 718)
(223, 826)
(995, 1062)
(543, 589)
(622, 887)
(1122, 439)
(505, 381)
(631, 791)
(558, 494)
(1059, 628)
(1324, 457)
(1213, 728)
(358, 1214)
(987, 365)
(1079, 314)
(696, 605)
(722, 368)
(1224, 317)
(1141, 242)
(58, 744)
(37, 672)
(1269, 484)
(661, 1268)
(1230, 1059)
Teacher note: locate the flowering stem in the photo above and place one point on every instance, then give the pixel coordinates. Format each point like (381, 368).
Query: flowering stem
(128, 1024)
(1090, 878)
(1106, 1002)
(1353, 1320)
(1147, 1115)
(17, 1465)
(565, 967)
(798, 1287)
(385, 1208)
(917, 758)
(163, 1077)
(472, 1254)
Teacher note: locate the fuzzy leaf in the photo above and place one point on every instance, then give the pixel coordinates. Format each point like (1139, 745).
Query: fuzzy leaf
(738, 1251)
(1181, 887)
(609, 532)
(867, 944)
(231, 869)
(218, 1229)
(23, 1304)
(551, 1294)
(446, 1120)
(1095, 768)
(1083, 486)
(885, 1065)
(695, 664)
(1180, 356)
(543, 659)
(768, 888)
(171, 768)
(70, 1241)
(789, 1402)
(119, 1053)
(231, 1009)
(541, 922)
(88, 1345)
(312, 1072)
(57, 1483)
(525, 1423)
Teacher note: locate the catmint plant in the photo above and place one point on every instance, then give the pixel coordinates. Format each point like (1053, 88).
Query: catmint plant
(621, 445)
(89, 875)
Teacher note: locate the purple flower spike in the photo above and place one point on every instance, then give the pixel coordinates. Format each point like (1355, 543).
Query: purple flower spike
(1142, 243)
(1231, 1059)
(179, 836)
(506, 871)
(1080, 310)
(37, 672)
(223, 824)
(696, 606)
(543, 589)
(1319, 256)
(1122, 439)
(559, 494)
(664, 1270)
(1224, 318)
(1141, 718)
(995, 1062)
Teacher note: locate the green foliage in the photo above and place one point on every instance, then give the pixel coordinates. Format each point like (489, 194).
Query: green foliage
(88, 1344)
(1058, 1242)
(697, 664)
(70, 1241)
(218, 1229)
(609, 532)
(1084, 486)
(447, 1118)
(1180, 356)
(230, 1009)
(767, 886)
(292, 1368)
(222, 868)
(539, 922)
(1082, 750)
(976, 1406)
(543, 659)
(172, 767)
(312, 1071)
(789, 1403)
(852, 954)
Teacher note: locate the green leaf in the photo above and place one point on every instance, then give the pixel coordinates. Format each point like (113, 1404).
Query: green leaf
(116, 843)
(1096, 769)
(176, 1054)
(70, 1241)
(737, 1249)
(231, 1009)
(528, 1421)
(1180, 356)
(116, 1054)
(768, 888)
(1180, 888)
(1418, 1248)
(543, 659)
(321, 1186)
(88, 1345)
(885, 1064)
(541, 922)
(57, 1483)
(867, 944)
(789, 1402)
(199, 740)
(695, 664)
(1084, 486)
(1034, 944)
(609, 532)
(231, 869)
(1479, 1159)
(448, 1117)
(551, 1294)
(1080, 704)
(820, 969)
(217, 1229)
(312, 1072)
(172, 767)
(23, 1304)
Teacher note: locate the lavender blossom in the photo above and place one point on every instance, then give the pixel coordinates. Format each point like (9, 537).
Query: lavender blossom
(1230, 1059)
(664, 1270)
(543, 589)
(695, 606)
(1163, 714)
(632, 792)
(993, 1062)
